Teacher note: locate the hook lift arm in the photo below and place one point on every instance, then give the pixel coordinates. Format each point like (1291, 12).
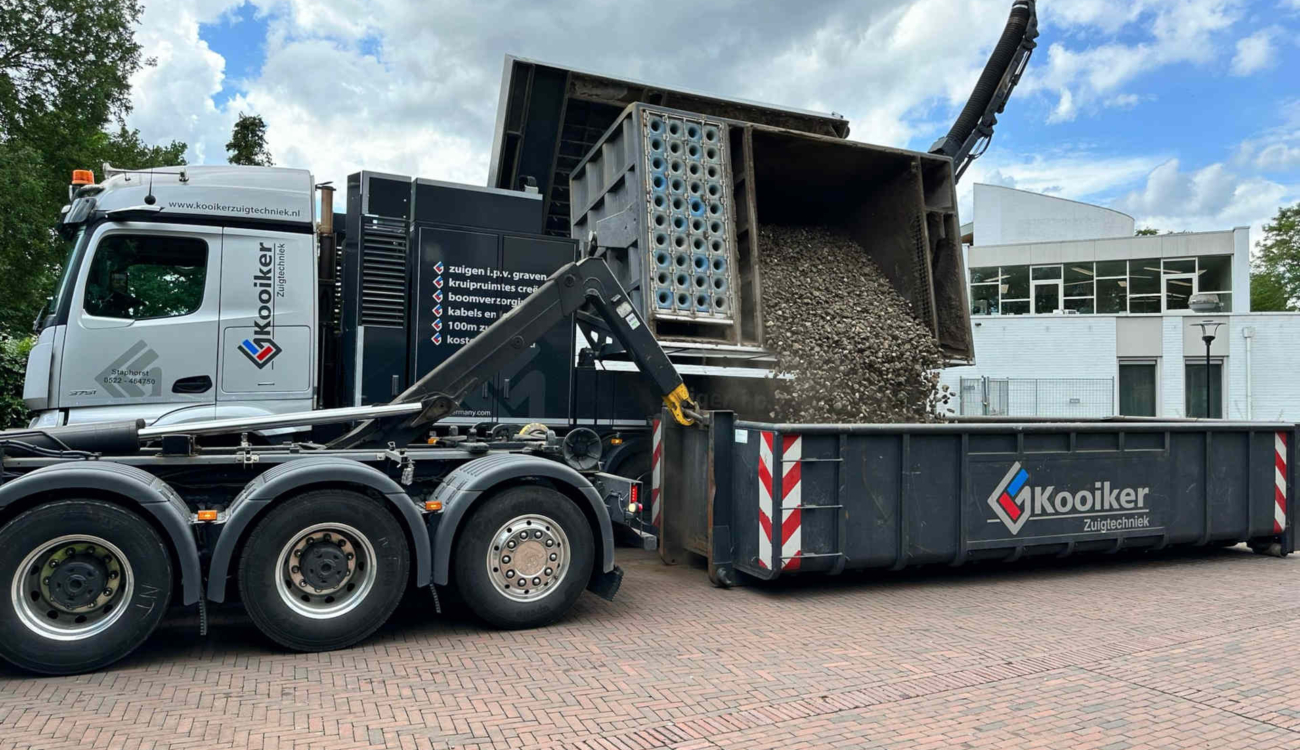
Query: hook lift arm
(585, 286)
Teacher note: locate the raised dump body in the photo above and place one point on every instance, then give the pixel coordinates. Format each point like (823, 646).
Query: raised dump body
(772, 499)
(679, 196)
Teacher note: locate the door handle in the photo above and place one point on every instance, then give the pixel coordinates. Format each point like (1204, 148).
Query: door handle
(192, 384)
(505, 388)
(485, 389)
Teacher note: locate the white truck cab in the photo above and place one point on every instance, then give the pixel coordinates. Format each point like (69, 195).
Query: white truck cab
(189, 293)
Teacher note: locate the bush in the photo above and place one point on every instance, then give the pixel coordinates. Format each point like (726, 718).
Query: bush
(13, 365)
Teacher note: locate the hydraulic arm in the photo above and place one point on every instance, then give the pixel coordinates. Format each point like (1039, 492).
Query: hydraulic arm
(587, 288)
(971, 133)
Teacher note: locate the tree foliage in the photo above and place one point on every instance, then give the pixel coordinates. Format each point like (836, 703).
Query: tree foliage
(26, 243)
(65, 70)
(1275, 269)
(13, 366)
(1146, 232)
(247, 144)
(67, 59)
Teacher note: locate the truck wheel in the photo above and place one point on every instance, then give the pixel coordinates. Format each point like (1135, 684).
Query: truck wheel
(524, 557)
(88, 582)
(323, 570)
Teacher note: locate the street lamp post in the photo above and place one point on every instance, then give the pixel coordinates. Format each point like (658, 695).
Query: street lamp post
(1207, 335)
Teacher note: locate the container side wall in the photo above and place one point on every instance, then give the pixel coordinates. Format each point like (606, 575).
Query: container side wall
(824, 498)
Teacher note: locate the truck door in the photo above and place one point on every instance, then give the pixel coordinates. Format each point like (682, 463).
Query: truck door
(142, 330)
(267, 356)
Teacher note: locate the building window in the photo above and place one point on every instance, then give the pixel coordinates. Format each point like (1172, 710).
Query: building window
(1046, 281)
(1080, 288)
(1137, 389)
(146, 276)
(1109, 287)
(1112, 296)
(1214, 276)
(1144, 287)
(1195, 389)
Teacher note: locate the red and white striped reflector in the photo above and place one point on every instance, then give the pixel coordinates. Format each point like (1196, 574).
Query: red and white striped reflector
(1279, 486)
(656, 471)
(791, 534)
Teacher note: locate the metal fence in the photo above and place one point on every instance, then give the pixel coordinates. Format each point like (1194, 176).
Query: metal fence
(1038, 397)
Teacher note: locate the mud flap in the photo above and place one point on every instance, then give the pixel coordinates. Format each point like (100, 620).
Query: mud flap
(605, 585)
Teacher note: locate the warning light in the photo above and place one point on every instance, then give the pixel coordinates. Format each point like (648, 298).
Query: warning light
(207, 515)
(83, 177)
(636, 492)
(616, 441)
(433, 506)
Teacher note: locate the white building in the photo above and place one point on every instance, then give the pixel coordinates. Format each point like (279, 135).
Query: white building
(1074, 316)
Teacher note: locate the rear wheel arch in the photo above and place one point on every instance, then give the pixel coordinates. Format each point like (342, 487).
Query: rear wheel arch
(132, 489)
(573, 494)
(461, 495)
(306, 475)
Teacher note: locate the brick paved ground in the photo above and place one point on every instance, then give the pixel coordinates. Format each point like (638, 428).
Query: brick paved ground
(1182, 651)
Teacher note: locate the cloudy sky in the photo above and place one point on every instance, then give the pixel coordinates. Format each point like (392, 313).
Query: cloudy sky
(1183, 113)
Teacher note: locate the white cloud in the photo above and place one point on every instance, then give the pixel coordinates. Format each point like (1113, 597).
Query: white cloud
(1093, 75)
(1255, 52)
(1213, 197)
(411, 87)
(1077, 173)
(406, 87)
(173, 99)
(1277, 149)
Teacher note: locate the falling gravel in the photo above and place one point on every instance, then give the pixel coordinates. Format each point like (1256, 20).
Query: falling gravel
(852, 346)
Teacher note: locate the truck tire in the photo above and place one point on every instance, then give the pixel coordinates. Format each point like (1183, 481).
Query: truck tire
(86, 583)
(323, 570)
(523, 557)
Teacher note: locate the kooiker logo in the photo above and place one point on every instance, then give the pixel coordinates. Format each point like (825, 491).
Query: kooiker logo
(260, 351)
(1014, 501)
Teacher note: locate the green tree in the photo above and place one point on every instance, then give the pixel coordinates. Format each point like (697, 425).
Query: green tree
(125, 150)
(1146, 232)
(247, 144)
(26, 243)
(72, 59)
(13, 366)
(1275, 269)
(65, 70)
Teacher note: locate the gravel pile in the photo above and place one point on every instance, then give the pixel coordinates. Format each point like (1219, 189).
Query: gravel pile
(855, 349)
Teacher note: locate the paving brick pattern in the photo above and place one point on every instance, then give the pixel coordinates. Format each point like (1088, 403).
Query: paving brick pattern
(1185, 651)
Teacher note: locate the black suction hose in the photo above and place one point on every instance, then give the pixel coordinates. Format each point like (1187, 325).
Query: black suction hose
(987, 86)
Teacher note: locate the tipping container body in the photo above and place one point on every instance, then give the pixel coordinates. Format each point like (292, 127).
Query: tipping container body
(678, 199)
